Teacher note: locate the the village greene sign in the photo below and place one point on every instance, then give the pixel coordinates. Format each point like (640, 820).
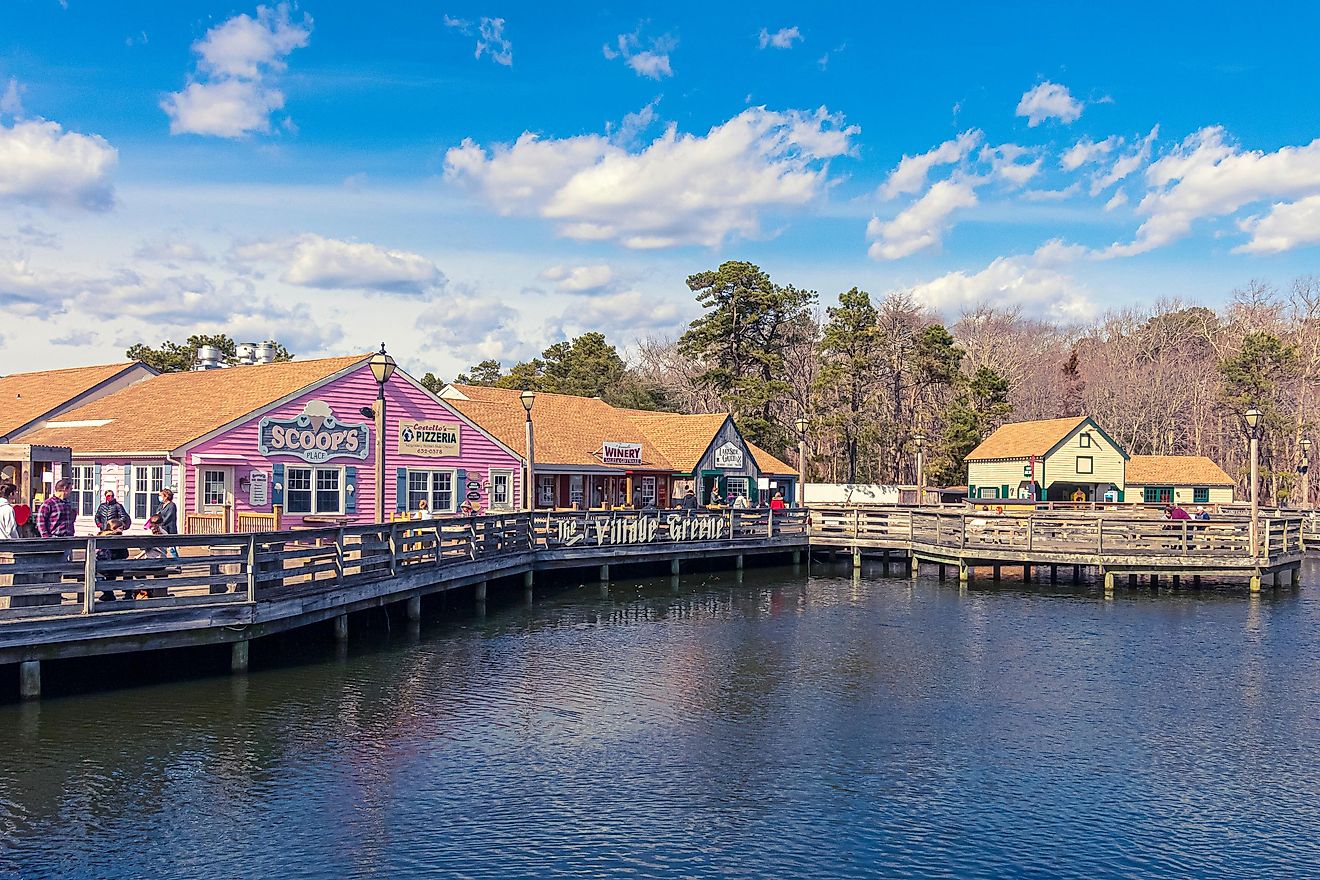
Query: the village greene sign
(314, 435)
(604, 530)
(620, 453)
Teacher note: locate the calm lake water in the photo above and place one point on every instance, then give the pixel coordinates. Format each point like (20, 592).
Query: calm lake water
(776, 726)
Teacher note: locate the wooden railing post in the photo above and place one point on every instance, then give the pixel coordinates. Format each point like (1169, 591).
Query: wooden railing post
(394, 549)
(252, 568)
(89, 578)
(770, 522)
(339, 556)
(1185, 545)
(1030, 530)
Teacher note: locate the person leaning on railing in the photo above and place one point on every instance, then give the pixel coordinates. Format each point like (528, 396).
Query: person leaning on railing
(8, 519)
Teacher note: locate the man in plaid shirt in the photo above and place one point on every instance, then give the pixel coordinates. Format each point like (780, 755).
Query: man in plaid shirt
(57, 513)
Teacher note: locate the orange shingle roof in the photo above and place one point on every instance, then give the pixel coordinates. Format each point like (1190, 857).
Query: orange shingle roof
(1175, 470)
(769, 464)
(680, 437)
(1024, 439)
(569, 430)
(173, 409)
(26, 397)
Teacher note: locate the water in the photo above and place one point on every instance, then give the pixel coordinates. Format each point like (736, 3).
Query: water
(776, 727)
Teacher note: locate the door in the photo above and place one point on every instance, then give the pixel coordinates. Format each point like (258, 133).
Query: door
(217, 491)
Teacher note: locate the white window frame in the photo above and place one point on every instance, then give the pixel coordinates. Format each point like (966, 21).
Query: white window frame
(729, 483)
(82, 476)
(428, 479)
(546, 491)
(577, 487)
(1084, 440)
(506, 474)
(314, 472)
(982, 490)
(1090, 464)
(649, 490)
(148, 480)
(202, 501)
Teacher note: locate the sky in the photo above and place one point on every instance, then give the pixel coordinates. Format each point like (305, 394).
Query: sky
(477, 180)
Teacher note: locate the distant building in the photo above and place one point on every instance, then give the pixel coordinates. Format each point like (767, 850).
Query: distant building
(1186, 479)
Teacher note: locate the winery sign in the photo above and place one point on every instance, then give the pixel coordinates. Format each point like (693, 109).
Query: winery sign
(314, 435)
(620, 453)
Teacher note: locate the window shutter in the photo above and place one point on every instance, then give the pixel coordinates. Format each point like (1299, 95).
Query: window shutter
(400, 490)
(1003, 491)
(96, 480)
(127, 490)
(277, 484)
(169, 477)
(350, 490)
(971, 491)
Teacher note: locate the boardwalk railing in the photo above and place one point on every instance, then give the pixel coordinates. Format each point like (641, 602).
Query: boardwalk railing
(85, 576)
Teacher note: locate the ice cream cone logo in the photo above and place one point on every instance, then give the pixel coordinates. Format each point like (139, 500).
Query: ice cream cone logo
(317, 413)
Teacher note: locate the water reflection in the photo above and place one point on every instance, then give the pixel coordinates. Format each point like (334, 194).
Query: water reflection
(711, 725)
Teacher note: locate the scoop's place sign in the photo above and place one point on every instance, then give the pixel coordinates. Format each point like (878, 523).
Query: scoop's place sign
(620, 453)
(314, 435)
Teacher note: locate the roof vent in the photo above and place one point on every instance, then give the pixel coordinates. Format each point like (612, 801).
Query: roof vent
(208, 358)
(265, 353)
(245, 353)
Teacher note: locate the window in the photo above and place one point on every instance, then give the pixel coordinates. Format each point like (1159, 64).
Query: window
(84, 493)
(501, 490)
(1201, 495)
(1085, 441)
(436, 488)
(148, 480)
(987, 492)
(1085, 464)
(1158, 495)
(545, 490)
(575, 482)
(313, 490)
(735, 486)
(214, 489)
(648, 490)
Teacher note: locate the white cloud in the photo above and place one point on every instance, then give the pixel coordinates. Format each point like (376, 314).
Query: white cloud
(493, 43)
(629, 314)
(171, 252)
(1048, 101)
(41, 163)
(912, 171)
(652, 63)
(78, 338)
(780, 39)
(231, 94)
(680, 189)
(580, 279)
(1004, 165)
(1087, 151)
(922, 224)
(478, 327)
(330, 264)
(11, 100)
(1118, 200)
(1008, 282)
(1126, 164)
(1208, 177)
(1286, 226)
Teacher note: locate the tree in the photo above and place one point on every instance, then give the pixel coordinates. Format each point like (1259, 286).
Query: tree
(849, 368)
(432, 383)
(485, 373)
(740, 342)
(174, 357)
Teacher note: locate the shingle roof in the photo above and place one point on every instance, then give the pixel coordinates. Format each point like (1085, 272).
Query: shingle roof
(26, 397)
(1024, 439)
(1175, 470)
(173, 409)
(680, 437)
(568, 430)
(769, 464)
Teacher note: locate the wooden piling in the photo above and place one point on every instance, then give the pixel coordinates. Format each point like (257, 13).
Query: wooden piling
(29, 679)
(341, 627)
(413, 608)
(239, 653)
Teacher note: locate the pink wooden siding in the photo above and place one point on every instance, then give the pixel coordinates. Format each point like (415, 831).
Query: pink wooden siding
(237, 447)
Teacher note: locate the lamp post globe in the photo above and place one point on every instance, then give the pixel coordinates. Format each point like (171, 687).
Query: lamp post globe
(1253, 417)
(382, 368)
(528, 398)
(801, 425)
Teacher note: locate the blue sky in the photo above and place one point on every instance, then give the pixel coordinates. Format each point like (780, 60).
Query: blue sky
(468, 181)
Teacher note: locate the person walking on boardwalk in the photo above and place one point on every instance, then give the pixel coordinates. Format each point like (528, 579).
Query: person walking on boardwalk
(167, 515)
(8, 519)
(777, 502)
(739, 501)
(689, 501)
(57, 514)
(110, 511)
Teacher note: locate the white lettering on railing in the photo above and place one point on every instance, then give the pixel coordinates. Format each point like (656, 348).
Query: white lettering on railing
(604, 530)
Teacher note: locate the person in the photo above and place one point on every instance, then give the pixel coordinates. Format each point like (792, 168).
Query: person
(637, 498)
(8, 519)
(1178, 512)
(715, 499)
(114, 528)
(109, 511)
(689, 501)
(423, 510)
(777, 502)
(739, 501)
(157, 528)
(57, 515)
(1202, 513)
(168, 513)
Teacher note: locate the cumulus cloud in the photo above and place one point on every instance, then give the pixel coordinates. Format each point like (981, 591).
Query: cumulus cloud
(1004, 164)
(1206, 176)
(1286, 226)
(311, 260)
(629, 314)
(1008, 282)
(1087, 151)
(652, 62)
(1126, 164)
(231, 93)
(42, 164)
(171, 252)
(922, 224)
(784, 38)
(912, 171)
(580, 279)
(471, 325)
(1049, 101)
(11, 99)
(680, 189)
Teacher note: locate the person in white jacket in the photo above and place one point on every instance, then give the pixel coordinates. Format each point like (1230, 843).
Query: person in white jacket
(8, 522)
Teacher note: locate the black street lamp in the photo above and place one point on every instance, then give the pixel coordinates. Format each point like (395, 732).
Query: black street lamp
(529, 483)
(382, 367)
(801, 425)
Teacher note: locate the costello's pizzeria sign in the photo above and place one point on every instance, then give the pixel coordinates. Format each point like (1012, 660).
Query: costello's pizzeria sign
(429, 439)
(314, 435)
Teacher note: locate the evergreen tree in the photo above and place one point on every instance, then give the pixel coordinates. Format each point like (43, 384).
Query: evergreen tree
(175, 357)
(848, 372)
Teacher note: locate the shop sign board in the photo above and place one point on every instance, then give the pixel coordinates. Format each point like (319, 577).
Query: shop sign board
(620, 453)
(428, 439)
(314, 435)
(729, 456)
(258, 489)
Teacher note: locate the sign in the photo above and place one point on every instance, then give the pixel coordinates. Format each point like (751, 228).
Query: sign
(729, 456)
(258, 489)
(611, 531)
(1026, 470)
(314, 435)
(429, 439)
(620, 453)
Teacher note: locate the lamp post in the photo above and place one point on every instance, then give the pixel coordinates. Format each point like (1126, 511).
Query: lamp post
(382, 367)
(801, 425)
(1252, 417)
(1305, 443)
(529, 485)
(920, 440)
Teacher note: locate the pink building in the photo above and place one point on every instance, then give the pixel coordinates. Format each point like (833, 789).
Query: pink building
(250, 447)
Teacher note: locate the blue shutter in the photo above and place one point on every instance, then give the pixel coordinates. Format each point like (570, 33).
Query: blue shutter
(277, 484)
(1003, 491)
(169, 477)
(128, 483)
(350, 490)
(400, 490)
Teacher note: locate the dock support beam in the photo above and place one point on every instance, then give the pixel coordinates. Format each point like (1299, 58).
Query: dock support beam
(1054, 574)
(1295, 575)
(1109, 581)
(943, 574)
(1196, 581)
(995, 572)
(738, 561)
(341, 627)
(857, 557)
(1278, 578)
(674, 565)
(1077, 574)
(1026, 574)
(29, 679)
(964, 572)
(1254, 584)
(413, 608)
(884, 563)
(605, 574)
(239, 653)
(1132, 581)
(916, 566)
(527, 587)
(1177, 581)
(797, 558)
